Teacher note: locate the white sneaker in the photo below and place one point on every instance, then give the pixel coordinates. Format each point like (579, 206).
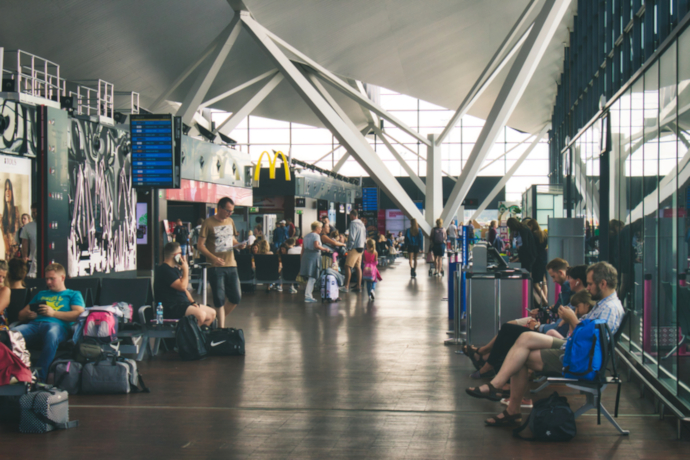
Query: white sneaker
(279, 288)
(525, 404)
(344, 289)
(372, 296)
(293, 290)
(310, 299)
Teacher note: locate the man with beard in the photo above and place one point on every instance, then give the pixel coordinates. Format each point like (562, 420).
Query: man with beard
(542, 353)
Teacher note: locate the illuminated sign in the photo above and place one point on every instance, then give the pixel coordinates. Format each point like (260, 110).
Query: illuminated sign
(272, 165)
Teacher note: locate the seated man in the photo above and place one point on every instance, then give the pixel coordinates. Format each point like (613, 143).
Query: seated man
(543, 353)
(170, 288)
(50, 323)
(491, 355)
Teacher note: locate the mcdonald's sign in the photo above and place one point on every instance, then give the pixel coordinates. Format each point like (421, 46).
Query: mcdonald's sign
(272, 165)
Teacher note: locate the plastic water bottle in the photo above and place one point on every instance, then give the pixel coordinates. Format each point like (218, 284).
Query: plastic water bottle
(159, 313)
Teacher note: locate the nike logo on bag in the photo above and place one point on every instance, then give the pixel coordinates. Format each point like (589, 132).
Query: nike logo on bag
(214, 344)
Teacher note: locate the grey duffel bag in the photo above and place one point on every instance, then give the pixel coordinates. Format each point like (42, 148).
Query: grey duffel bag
(44, 410)
(66, 375)
(112, 376)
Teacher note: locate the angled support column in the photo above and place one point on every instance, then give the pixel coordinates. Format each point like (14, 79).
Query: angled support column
(490, 72)
(504, 154)
(416, 154)
(368, 114)
(191, 68)
(236, 118)
(512, 90)
(215, 61)
(502, 183)
(411, 172)
(343, 129)
(346, 156)
(346, 89)
(324, 157)
(433, 203)
(237, 89)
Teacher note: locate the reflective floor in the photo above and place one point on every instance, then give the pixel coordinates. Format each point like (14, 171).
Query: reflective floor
(354, 379)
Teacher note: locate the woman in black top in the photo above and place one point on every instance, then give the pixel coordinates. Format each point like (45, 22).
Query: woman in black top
(539, 267)
(527, 251)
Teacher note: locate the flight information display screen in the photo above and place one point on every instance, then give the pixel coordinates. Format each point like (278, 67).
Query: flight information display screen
(370, 198)
(155, 163)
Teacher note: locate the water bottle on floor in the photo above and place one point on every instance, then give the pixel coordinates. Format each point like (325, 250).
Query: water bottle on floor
(159, 313)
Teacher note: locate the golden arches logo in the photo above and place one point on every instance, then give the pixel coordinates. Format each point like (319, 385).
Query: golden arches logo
(272, 165)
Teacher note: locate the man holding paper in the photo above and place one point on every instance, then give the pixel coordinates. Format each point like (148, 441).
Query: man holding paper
(216, 243)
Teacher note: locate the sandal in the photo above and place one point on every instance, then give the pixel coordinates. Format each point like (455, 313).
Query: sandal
(471, 352)
(493, 394)
(507, 420)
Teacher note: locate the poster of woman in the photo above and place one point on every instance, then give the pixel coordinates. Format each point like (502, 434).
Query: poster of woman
(15, 180)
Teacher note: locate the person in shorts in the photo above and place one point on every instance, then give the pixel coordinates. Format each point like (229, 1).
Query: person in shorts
(356, 241)
(181, 234)
(413, 242)
(216, 243)
(170, 288)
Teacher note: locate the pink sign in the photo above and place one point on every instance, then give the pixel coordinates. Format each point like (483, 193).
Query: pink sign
(206, 192)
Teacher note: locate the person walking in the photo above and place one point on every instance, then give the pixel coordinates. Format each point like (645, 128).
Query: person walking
(438, 241)
(453, 235)
(413, 241)
(371, 272)
(356, 241)
(310, 264)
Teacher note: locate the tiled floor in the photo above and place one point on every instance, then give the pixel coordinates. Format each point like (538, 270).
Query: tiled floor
(356, 379)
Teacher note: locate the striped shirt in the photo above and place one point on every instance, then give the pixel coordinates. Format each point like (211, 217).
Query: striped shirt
(610, 310)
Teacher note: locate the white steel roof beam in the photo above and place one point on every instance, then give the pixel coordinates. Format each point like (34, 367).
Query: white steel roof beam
(236, 118)
(237, 89)
(504, 180)
(343, 129)
(346, 155)
(504, 154)
(416, 154)
(347, 89)
(212, 65)
(411, 172)
(513, 88)
(489, 73)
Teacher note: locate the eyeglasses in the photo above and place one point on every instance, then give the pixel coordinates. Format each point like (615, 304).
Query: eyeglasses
(229, 211)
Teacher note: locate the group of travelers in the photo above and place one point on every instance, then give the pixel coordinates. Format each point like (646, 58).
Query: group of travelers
(537, 343)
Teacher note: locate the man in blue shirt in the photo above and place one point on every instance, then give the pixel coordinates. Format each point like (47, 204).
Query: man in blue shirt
(49, 316)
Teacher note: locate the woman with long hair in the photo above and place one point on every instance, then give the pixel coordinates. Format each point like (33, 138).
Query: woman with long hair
(438, 246)
(9, 221)
(413, 241)
(539, 267)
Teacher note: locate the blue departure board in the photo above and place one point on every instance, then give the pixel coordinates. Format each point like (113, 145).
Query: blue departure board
(154, 163)
(370, 199)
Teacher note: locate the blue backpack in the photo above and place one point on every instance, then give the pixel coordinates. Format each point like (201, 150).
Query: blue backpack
(586, 350)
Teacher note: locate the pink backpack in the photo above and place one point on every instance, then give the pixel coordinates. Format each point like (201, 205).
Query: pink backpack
(101, 325)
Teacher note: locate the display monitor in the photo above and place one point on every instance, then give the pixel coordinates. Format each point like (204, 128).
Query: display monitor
(155, 150)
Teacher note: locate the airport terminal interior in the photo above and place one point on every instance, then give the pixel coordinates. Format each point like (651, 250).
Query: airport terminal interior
(356, 229)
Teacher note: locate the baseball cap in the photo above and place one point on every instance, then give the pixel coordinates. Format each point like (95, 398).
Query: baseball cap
(282, 221)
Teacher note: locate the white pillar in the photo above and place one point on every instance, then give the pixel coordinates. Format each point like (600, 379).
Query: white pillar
(433, 203)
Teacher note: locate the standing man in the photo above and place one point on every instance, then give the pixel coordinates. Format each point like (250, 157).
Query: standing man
(49, 317)
(216, 243)
(453, 234)
(356, 241)
(29, 242)
(280, 235)
(181, 233)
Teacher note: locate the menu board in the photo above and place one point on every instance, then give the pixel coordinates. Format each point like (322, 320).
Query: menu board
(155, 154)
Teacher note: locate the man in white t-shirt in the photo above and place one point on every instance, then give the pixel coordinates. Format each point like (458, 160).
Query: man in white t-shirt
(29, 242)
(453, 234)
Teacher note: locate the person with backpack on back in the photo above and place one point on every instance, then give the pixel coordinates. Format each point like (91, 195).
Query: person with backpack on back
(49, 316)
(371, 272)
(413, 242)
(438, 242)
(543, 353)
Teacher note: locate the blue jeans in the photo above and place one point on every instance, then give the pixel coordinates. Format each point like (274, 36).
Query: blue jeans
(370, 285)
(50, 334)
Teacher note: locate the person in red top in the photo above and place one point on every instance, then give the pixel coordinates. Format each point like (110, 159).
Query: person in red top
(291, 228)
(371, 272)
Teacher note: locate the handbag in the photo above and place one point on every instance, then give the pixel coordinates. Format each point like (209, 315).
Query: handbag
(225, 342)
(45, 410)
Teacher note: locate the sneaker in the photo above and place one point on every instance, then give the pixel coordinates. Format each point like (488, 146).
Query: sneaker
(344, 289)
(525, 404)
(293, 290)
(279, 288)
(310, 300)
(372, 295)
(411, 272)
(443, 273)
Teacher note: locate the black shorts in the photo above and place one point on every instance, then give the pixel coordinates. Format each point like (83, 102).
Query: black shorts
(413, 249)
(175, 311)
(439, 249)
(225, 283)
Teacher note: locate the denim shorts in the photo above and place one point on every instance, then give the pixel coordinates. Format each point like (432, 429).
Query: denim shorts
(225, 283)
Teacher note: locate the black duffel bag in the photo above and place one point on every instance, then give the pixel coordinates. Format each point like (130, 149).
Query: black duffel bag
(551, 419)
(190, 342)
(225, 342)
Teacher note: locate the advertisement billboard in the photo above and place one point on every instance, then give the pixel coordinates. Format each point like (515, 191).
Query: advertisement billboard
(15, 177)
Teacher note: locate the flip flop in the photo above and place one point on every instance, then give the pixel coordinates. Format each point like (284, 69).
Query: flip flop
(507, 420)
(493, 394)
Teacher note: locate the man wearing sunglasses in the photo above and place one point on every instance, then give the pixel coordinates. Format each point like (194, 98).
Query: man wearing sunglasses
(216, 243)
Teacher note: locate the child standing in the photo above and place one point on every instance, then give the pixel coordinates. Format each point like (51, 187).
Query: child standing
(371, 273)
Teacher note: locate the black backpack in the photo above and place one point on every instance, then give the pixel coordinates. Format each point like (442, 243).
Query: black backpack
(191, 344)
(551, 419)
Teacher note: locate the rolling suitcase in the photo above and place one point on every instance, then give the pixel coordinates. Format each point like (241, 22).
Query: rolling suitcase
(329, 288)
